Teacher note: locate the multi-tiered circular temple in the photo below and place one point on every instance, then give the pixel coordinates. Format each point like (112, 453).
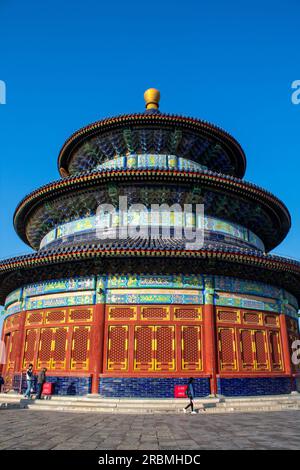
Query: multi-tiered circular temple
(137, 315)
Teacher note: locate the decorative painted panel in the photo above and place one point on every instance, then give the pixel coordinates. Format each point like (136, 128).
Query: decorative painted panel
(61, 285)
(52, 301)
(13, 297)
(191, 348)
(117, 353)
(234, 300)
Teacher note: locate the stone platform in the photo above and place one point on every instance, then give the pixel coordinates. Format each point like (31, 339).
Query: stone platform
(98, 404)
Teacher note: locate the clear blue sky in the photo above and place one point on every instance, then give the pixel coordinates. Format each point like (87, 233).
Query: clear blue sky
(68, 63)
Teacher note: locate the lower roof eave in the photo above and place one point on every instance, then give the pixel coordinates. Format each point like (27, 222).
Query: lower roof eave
(15, 272)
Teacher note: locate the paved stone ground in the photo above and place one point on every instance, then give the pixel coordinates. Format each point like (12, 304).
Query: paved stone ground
(25, 429)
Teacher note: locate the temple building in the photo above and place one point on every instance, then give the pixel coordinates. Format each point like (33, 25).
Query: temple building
(135, 315)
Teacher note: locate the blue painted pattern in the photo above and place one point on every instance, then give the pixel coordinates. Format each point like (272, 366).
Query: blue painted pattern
(146, 387)
(234, 387)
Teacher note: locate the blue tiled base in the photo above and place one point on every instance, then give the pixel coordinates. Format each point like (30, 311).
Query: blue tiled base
(63, 385)
(254, 386)
(141, 387)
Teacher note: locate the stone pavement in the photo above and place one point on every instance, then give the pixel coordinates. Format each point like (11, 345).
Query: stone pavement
(25, 429)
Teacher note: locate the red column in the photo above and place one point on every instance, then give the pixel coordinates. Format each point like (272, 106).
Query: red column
(96, 353)
(210, 352)
(285, 344)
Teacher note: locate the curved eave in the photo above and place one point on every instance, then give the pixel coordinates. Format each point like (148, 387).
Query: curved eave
(264, 263)
(204, 128)
(233, 185)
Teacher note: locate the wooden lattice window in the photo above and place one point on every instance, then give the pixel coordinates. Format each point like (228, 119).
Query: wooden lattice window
(275, 350)
(252, 318)
(13, 349)
(271, 320)
(187, 313)
(262, 362)
(56, 316)
(228, 316)
(122, 313)
(144, 348)
(291, 324)
(34, 318)
(227, 348)
(165, 348)
(191, 348)
(80, 348)
(45, 348)
(155, 313)
(247, 350)
(81, 315)
(30, 347)
(117, 354)
(15, 320)
(59, 348)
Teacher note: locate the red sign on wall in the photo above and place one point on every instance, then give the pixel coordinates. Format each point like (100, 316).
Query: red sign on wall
(180, 391)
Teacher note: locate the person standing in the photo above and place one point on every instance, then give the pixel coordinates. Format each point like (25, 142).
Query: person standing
(29, 380)
(40, 382)
(1, 383)
(191, 395)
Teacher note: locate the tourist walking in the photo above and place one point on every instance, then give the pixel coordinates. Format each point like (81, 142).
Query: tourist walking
(191, 395)
(40, 382)
(29, 380)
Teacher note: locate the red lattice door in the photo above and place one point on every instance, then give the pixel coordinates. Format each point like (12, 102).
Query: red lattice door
(247, 350)
(275, 350)
(144, 348)
(45, 348)
(117, 353)
(165, 348)
(59, 348)
(261, 351)
(30, 347)
(191, 348)
(227, 349)
(80, 348)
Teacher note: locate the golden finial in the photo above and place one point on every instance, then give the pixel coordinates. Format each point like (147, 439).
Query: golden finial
(152, 97)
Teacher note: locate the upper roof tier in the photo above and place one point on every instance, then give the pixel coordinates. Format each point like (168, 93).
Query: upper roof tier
(152, 132)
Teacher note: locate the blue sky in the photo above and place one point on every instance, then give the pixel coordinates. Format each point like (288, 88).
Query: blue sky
(67, 64)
